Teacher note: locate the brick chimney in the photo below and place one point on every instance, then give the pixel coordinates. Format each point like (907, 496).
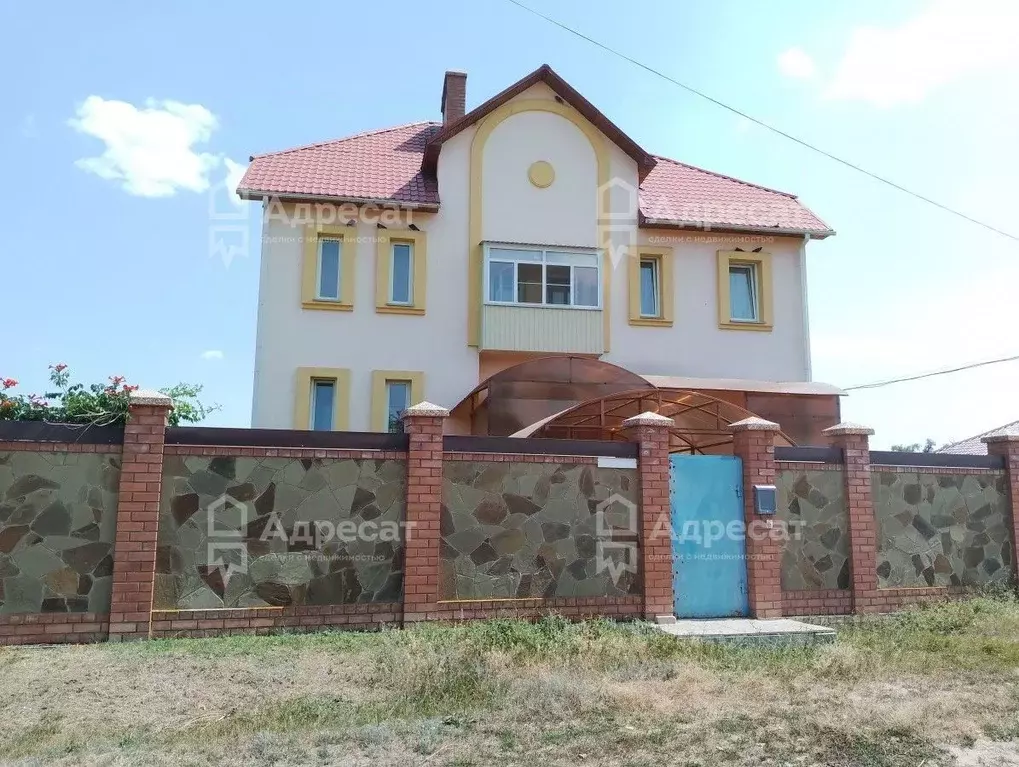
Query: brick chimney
(454, 96)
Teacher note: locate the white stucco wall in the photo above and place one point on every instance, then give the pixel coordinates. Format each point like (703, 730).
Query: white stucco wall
(513, 210)
(363, 340)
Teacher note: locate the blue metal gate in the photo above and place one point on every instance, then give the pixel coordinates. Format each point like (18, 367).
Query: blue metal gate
(709, 567)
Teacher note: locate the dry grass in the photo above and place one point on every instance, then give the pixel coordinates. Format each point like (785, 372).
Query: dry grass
(933, 687)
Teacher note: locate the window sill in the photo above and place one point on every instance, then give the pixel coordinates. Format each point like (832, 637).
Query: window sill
(333, 306)
(394, 309)
(650, 322)
(761, 326)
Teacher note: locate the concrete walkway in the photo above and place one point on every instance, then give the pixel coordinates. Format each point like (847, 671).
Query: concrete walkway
(782, 631)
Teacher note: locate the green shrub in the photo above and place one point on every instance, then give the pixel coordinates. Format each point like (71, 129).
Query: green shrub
(95, 404)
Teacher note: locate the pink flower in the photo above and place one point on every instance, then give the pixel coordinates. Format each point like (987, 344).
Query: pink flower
(8, 383)
(59, 368)
(117, 380)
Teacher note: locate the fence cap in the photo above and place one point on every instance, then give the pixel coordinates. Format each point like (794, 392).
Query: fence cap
(647, 418)
(846, 428)
(754, 424)
(149, 397)
(1008, 436)
(426, 409)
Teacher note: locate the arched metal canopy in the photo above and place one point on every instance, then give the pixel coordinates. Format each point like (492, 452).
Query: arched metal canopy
(526, 393)
(701, 420)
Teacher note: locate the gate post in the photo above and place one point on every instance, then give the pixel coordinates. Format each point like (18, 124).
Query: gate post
(651, 432)
(754, 444)
(854, 440)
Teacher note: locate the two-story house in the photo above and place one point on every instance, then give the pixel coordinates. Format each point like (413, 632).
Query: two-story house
(531, 267)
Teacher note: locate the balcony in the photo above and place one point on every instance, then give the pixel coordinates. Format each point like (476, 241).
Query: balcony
(514, 328)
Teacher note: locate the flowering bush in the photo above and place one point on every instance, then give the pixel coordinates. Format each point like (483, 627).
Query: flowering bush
(98, 404)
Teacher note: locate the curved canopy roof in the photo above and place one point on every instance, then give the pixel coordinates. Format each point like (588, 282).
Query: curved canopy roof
(701, 420)
(523, 394)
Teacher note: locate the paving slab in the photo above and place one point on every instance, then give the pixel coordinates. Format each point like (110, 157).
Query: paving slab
(750, 631)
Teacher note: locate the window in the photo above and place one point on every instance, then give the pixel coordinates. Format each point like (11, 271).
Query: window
(537, 277)
(397, 400)
(743, 306)
(649, 288)
(744, 290)
(327, 268)
(321, 399)
(328, 281)
(400, 260)
(651, 294)
(393, 391)
(401, 273)
(323, 404)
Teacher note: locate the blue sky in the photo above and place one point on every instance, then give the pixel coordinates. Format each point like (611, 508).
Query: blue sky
(107, 263)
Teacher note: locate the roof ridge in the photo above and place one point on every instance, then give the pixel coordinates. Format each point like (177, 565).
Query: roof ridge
(362, 134)
(728, 178)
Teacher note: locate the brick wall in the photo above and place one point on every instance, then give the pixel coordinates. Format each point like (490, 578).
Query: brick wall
(53, 628)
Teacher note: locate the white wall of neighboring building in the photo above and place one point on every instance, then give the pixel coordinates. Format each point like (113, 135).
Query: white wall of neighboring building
(513, 210)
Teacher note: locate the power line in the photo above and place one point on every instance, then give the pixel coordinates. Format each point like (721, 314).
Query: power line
(879, 384)
(763, 124)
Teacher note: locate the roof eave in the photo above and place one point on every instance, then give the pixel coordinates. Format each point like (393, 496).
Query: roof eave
(261, 195)
(665, 223)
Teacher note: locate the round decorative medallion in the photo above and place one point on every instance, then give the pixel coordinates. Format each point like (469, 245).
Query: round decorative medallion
(541, 174)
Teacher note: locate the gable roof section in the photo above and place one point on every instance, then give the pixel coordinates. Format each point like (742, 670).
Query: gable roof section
(383, 165)
(569, 94)
(973, 445)
(677, 194)
(396, 166)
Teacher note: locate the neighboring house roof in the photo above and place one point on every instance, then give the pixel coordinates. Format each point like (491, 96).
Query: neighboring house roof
(973, 445)
(397, 165)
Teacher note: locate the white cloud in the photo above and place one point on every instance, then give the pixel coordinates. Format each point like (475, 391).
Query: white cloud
(797, 64)
(946, 41)
(150, 150)
(234, 173)
(212, 354)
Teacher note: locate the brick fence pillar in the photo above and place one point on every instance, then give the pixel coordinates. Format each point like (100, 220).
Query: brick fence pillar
(423, 422)
(854, 440)
(651, 432)
(1007, 446)
(754, 443)
(134, 545)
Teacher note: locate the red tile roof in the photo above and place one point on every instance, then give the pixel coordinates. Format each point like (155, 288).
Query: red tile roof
(378, 165)
(386, 165)
(677, 193)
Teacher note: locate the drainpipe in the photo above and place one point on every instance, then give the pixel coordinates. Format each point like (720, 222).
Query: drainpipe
(806, 305)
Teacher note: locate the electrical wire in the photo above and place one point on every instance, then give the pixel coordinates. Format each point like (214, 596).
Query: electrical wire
(765, 125)
(957, 369)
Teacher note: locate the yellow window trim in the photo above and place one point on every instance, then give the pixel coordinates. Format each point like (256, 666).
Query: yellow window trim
(383, 266)
(309, 267)
(379, 403)
(760, 261)
(302, 397)
(666, 297)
